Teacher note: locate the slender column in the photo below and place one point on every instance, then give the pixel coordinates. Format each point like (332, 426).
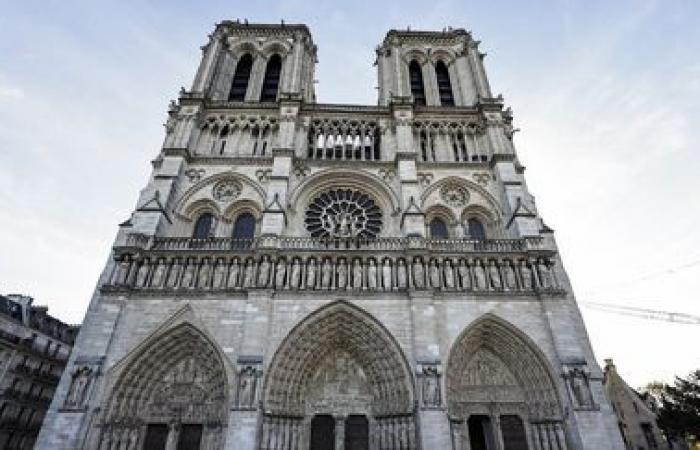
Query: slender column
(339, 432)
(497, 431)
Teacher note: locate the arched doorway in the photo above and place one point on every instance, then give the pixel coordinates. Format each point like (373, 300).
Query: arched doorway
(500, 392)
(339, 365)
(171, 394)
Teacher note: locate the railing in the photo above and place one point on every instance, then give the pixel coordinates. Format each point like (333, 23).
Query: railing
(322, 244)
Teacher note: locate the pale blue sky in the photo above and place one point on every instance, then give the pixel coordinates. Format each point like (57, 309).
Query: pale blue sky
(607, 95)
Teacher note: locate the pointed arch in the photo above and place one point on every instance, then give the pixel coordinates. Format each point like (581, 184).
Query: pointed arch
(345, 327)
(415, 77)
(241, 78)
(492, 361)
(271, 82)
(177, 375)
(444, 86)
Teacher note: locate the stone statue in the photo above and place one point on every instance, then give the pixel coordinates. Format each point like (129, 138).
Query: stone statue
(525, 275)
(78, 387)
(311, 274)
(295, 277)
(494, 276)
(431, 387)
(171, 442)
(159, 273)
(249, 275)
(357, 274)
(326, 273)
(121, 273)
(342, 274)
(465, 280)
(449, 275)
(387, 278)
(401, 275)
(233, 274)
(188, 276)
(371, 275)
(280, 273)
(142, 274)
(434, 274)
(220, 274)
(545, 275)
(509, 276)
(133, 438)
(174, 275)
(246, 388)
(578, 381)
(264, 272)
(418, 274)
(204, 280)
(106, 442)
(479, 275)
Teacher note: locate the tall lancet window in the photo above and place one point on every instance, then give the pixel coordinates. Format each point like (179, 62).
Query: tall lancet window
(241, 77)
(272, 79)
(415, 76)
(444, 86)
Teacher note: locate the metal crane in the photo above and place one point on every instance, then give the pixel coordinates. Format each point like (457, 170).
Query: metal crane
(644, 313)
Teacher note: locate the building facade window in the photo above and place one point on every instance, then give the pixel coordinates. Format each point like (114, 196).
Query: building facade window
(444, 85)
(475, 229)
(272, 79)
(244, 227)
(241, 77)
(203, 226)
(438, 229)
(415, 75)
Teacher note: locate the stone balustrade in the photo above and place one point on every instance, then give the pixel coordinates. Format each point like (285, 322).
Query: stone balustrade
(388, 264)
(385, 244)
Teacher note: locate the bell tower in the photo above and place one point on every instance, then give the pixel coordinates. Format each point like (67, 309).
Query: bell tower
(240, 57)
(434, 69)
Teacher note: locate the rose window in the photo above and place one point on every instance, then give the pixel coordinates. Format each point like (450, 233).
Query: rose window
(343, 213)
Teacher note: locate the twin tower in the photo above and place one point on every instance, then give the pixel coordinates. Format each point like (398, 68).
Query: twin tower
(300, 275)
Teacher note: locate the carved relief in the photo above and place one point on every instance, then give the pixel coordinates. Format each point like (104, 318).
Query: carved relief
(226, 190)
(482, 178)
(194, 175)
(454, 195)
(425, 178)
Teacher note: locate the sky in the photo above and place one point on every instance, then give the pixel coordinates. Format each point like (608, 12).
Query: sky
(606, 94)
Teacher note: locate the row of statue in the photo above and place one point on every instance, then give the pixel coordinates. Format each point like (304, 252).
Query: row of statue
(287, 433)
(129, 436)
(335, 273)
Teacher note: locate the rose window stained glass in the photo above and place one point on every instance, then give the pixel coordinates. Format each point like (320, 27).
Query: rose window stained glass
(343, 213)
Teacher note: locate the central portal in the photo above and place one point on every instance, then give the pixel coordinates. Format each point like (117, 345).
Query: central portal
(338, 381)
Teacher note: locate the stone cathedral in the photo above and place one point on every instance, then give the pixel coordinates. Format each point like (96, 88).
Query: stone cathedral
(304, 275)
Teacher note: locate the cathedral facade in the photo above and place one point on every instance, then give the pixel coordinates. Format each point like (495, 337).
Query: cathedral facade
(301, 275)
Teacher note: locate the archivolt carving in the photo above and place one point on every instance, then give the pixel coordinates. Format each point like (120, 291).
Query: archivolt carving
(178, 378)
(493, 363)
(338, 335)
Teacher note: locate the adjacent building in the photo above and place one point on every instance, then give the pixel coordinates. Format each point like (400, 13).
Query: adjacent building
(636, 415)
(34, 349)
(305, 275)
